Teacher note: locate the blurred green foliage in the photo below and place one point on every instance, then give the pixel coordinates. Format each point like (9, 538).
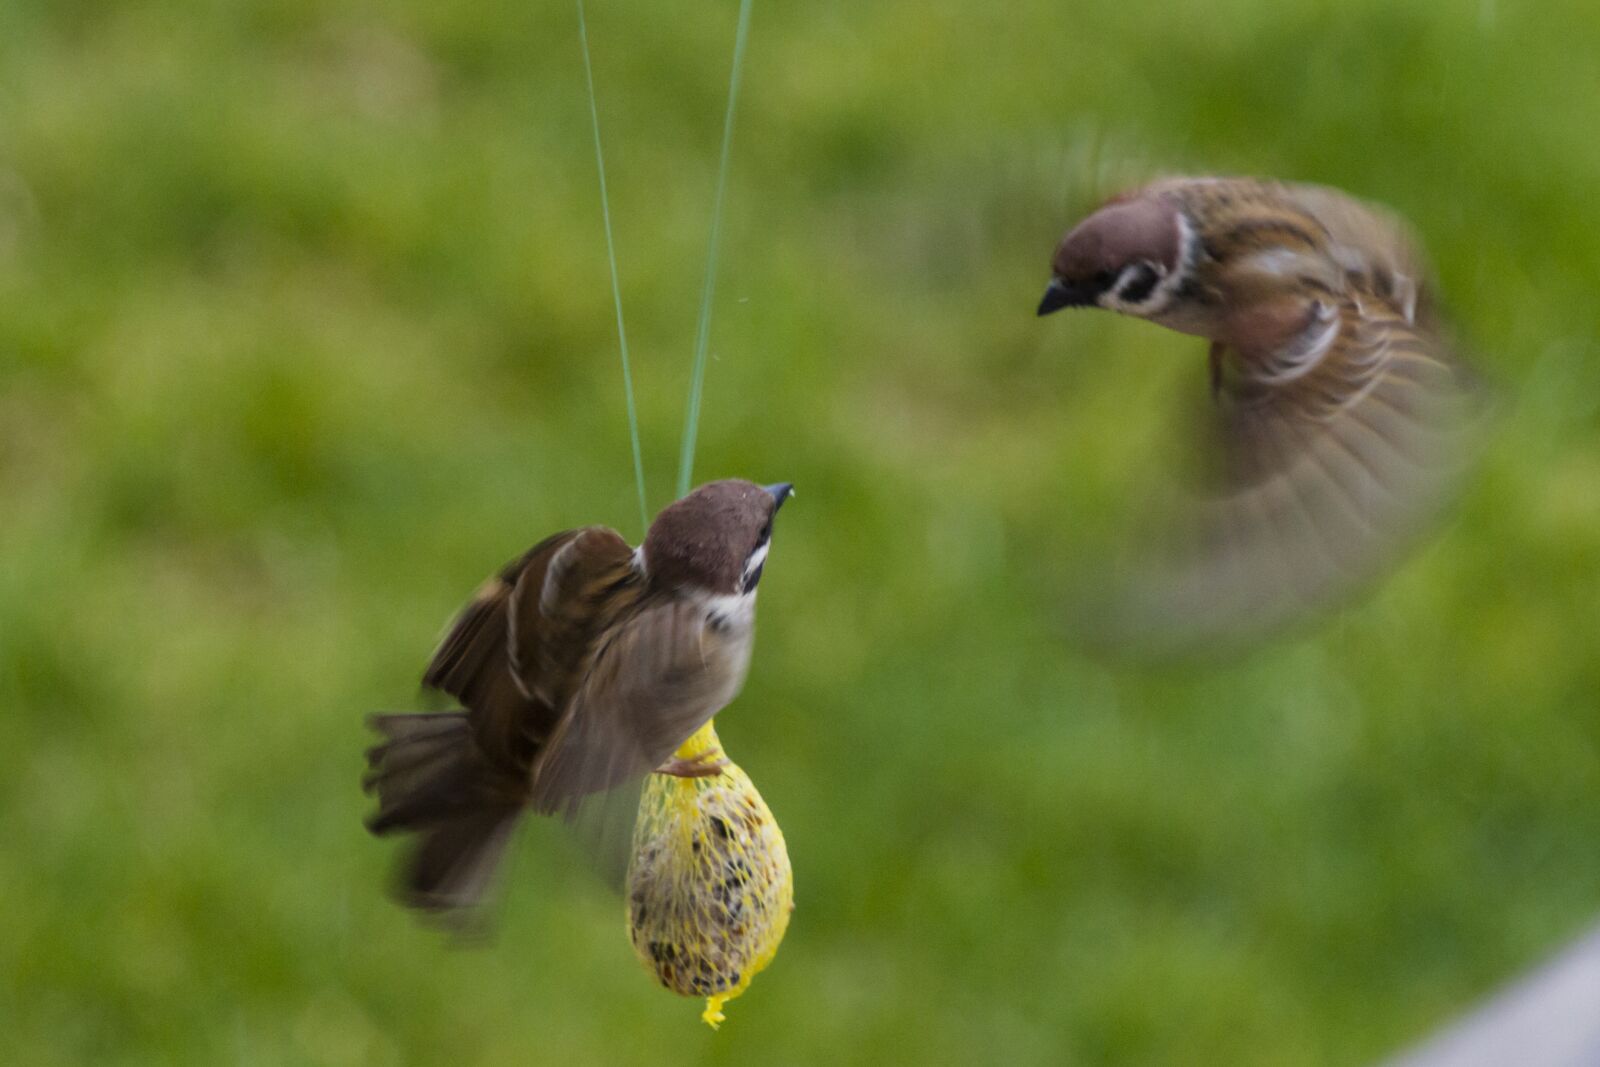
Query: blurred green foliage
(305, 328)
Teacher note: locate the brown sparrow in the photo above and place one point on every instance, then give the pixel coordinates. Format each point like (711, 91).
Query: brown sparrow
(580, 667)
(1341, 413)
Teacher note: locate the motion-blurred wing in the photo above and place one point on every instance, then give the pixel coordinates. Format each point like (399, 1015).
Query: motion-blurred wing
(505, 656)
(1332, 451)
(661, 677)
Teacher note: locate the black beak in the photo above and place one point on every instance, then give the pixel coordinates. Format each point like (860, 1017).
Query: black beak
(779, 492)
(1062, 294)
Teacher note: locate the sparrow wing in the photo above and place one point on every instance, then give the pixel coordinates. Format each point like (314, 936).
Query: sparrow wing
(661, 676)
(472, 662)
(1333, 448)
(503, 658)
(559, 613)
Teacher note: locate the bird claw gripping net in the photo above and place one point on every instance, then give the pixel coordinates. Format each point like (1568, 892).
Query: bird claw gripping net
(709, 885)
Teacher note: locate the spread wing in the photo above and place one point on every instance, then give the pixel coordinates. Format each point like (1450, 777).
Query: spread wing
(661, 677)
(1332, 450)
(509, 660)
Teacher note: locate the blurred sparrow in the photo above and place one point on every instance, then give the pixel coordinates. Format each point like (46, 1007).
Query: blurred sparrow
(1341, 415)
(582, 666)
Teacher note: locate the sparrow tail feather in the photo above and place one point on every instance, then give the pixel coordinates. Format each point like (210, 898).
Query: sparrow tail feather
(434, 782)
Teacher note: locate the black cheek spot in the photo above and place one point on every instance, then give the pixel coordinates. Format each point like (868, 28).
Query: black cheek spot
(754, 577)
(1141, 283)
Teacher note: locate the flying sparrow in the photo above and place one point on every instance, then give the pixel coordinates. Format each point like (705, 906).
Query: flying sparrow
(1341, 415)
(580, 667)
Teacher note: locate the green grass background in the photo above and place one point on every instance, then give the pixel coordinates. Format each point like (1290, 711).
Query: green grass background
(305, 328)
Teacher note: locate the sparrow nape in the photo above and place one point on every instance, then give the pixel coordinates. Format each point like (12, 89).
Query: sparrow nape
(580, 667)
(1340, 421)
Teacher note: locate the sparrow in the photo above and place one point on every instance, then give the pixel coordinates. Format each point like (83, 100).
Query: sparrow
(580, 667)
(1341, 415)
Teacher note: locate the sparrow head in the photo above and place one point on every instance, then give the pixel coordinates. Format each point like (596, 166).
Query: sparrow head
(716, 538)
(1128, 257)
(1236, 260)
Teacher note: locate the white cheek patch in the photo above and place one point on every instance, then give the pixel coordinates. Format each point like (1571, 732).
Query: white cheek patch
(1168, 281)
(752, 568)
(757, 558)
(1188, 254)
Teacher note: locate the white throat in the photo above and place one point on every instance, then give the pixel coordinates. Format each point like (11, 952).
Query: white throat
(728, 609)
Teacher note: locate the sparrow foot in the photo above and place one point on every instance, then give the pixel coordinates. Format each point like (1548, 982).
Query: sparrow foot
(701, 765)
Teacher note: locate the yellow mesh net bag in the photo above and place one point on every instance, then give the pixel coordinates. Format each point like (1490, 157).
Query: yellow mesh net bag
(709, 885)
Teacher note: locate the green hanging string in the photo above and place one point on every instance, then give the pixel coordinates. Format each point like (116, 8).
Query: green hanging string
(616, 286)
(691, 421)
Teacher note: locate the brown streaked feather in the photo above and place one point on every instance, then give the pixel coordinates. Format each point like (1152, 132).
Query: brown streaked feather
(473, 663)
(1372, 243)
(558, 613)
(1374, 248)
(509, 661)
